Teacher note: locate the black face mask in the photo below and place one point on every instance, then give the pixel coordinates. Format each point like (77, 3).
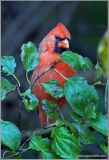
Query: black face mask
(58, 49)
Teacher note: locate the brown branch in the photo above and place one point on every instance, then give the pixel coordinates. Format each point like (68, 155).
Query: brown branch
(26, 136)
(41, 131)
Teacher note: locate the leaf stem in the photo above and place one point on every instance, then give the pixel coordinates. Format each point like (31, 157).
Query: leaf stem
(30, 134)
(27, 77)
(42, 73)
(25, 149)
(99, 83)
(15, 154)
(20, 115)
(60, 73)
(16, 79)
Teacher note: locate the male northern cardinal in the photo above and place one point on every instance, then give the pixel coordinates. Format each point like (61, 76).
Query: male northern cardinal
(54, 43)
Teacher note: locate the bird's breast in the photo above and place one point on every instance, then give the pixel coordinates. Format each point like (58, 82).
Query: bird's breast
(61, 67)
(46, 59)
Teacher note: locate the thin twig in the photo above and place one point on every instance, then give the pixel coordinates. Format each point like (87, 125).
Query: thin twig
(29, 134)
(10, 155)
(19, 93)
(99, 83)
(20, 107)
(20, 115)
(16, 79)
(49, 126)
(41, 131)
(42, 73)
(27, 77)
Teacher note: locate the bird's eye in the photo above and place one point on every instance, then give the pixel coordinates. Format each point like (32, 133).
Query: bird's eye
(61, 44)
(57, 39)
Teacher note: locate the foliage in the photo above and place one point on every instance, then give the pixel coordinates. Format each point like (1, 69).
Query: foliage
(80, 95)
(6, 87)
(103, 51)
(40, 144)
(8, 65)
(99, 72)
(67, 137)
(104, 147)
(10, 135)
(100, 124)
(85, 135)
(29, 56)
(51, 109)
(53, 88)
(76, 61)
(64, 144)
(30, 101)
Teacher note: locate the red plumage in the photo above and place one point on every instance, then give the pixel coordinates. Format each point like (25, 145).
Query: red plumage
(47, 57)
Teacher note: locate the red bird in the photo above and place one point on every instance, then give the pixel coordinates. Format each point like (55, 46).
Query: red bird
(54, 43)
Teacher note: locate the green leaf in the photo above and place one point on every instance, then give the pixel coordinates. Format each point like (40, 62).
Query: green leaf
(29, 56)
(49, 155)
(40, 144)
(76, 117)
(53, 88)
(100, 124)
(10, 135)
(87, 64)
(61, 122)
(103, 51)
(79, 94)
(85, 135)
(43, 145)
(104, 147)
(90, 112)
(64, 144)
(8, 64)
(99, 72)
(30, 101)
(76, 61)
(6, 87)
(51, 109)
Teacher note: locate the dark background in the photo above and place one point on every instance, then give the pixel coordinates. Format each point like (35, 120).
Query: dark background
(31, 21)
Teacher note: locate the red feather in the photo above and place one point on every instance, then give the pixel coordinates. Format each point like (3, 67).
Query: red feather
(48, 56)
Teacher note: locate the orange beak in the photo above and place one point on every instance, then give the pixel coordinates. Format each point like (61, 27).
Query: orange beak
(64, 44)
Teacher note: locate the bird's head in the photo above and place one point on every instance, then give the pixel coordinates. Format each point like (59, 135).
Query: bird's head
(57, 40)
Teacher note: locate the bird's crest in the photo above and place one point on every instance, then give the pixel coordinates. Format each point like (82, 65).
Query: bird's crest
(48, 43)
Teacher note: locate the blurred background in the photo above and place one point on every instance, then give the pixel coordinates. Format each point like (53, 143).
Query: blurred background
(25, 21)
